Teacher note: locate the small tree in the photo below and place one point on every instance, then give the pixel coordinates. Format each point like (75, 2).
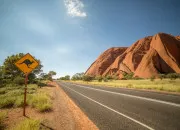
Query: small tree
(43, 76)
(51, 74)
(78, 76)
(67, 77)
(88, 78)
(99, 78)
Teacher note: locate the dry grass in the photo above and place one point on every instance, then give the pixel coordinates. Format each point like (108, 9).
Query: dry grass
(28, 124)
(13, 96)
(2, 117)
(161, 85)
(41, 102)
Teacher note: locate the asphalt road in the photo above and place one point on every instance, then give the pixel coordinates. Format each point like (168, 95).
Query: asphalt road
(121, 109)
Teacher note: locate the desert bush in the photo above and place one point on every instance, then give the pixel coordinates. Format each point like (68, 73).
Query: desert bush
(173, 76)
(18, 80)
(2, 91)
(109, 77)
(128, 75)
(28, 124)
(19, 102)
(16, 92)
(41, 84)
(115, 77)
(162, 76)
(105, 79)
(45, 107)
(99, 78)
(88, 78)
(152, 78)
(13, 95)
(6, 81)
(41, 102)
(7, 102)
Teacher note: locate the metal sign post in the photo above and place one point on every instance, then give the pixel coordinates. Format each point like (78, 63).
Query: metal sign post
(25, 91)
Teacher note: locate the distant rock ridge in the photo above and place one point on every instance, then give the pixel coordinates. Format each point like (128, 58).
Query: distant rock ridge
(147, 57)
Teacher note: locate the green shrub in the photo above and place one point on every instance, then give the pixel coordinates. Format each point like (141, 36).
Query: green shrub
(28, 124)
(16, 92)
(115, 77)
(99, 78)
(162, 76)
(152, 78)
(19, 102)
(7, 102)
(50, 78)
(109, 77)
(41, 84)
(18, 80)
(105, 79)
(6, 81)
(41, 102)
(2, 91)
(173, 76)
(87, 78)
(128, 75)
(44, 107)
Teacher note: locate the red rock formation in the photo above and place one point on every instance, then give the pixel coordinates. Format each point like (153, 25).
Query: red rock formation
(145, 58)
(104, 61)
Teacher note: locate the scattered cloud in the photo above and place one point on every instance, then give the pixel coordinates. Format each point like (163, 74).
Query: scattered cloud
(75, 8)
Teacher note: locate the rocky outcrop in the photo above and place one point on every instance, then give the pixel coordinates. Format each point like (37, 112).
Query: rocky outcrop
(147, 57)
(105, 60)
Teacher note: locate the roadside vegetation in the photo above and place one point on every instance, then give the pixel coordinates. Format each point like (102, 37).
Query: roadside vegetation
(12, 91)
(28, 124)
(3, 115)
(164, 82)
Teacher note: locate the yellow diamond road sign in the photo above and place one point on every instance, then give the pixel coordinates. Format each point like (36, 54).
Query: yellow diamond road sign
(27, 63)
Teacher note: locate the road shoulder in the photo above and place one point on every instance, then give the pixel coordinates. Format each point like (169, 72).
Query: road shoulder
(65, 115)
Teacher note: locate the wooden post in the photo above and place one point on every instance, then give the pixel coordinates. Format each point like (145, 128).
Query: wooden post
(25, 91)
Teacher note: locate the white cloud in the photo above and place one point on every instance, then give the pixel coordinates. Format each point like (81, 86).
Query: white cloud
(75, 8)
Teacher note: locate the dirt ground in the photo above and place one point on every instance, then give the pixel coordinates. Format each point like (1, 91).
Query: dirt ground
(65, 115)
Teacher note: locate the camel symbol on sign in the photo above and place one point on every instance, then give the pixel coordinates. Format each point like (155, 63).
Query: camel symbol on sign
(27, 62)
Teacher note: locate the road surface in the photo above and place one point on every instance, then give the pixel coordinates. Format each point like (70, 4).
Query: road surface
(121, 109)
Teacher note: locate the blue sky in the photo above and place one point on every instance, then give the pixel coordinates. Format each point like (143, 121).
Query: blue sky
(68, 35)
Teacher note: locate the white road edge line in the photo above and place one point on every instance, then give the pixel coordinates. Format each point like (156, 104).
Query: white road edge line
(134, 120)
(132, 96)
